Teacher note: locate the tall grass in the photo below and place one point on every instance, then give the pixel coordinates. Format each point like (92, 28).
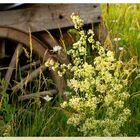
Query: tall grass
(35, 118)
(123, 21)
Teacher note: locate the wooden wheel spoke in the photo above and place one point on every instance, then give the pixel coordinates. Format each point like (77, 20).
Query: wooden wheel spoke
(51, 41)
(29, 78)
(26, 67)
(37, 94)
(12, 64)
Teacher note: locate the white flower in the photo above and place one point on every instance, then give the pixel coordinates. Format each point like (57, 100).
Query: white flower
(117, 39)
(90, 32)
(109, 53)
(57, 48)
(114, 21)
(132, 29)
(120, 48)
(49, 62)
(60, 73)
(47, 98)
(64, 104)
(78, 22)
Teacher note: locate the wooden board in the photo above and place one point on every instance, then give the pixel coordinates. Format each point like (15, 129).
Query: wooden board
(49, 16)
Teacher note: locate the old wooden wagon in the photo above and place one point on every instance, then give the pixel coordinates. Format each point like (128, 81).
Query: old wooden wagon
(16, 23)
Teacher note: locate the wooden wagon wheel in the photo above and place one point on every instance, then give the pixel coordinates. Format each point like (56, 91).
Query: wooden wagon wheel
(21, 42)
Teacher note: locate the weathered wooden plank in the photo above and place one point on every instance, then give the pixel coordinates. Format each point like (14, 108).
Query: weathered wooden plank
(49, 16)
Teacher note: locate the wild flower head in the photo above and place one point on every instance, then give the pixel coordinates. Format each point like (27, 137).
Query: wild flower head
(97, 88)
(78, 22)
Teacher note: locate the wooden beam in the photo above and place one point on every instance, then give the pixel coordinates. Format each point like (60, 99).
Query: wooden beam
(27, 67)
(29, 78)
(49, 16)
(37, 94)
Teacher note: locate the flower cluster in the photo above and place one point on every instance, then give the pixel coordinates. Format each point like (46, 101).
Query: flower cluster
(98, 87)
(57, 48)
(7, 131)
(78, 22)
(55, 66)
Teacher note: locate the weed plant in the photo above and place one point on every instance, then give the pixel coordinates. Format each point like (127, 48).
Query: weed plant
(84, 108)
(97, 86)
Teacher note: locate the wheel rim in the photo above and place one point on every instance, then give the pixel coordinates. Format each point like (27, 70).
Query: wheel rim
(22, 40)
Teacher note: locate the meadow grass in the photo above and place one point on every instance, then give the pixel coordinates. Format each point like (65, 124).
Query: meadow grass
(34, 118)
(123, 22)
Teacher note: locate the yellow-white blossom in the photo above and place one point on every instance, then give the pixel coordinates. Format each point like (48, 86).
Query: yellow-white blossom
(78, 22)
(97, 86)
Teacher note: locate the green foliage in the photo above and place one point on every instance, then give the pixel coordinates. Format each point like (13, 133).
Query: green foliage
(44, 120)
(123, 21)
(98, 86)
(7, 111)
(101, 92)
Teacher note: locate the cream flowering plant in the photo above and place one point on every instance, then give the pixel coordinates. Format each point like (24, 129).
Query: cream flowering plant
(97, 89)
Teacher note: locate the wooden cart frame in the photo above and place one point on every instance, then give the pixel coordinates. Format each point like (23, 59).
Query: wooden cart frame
(15, 25)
